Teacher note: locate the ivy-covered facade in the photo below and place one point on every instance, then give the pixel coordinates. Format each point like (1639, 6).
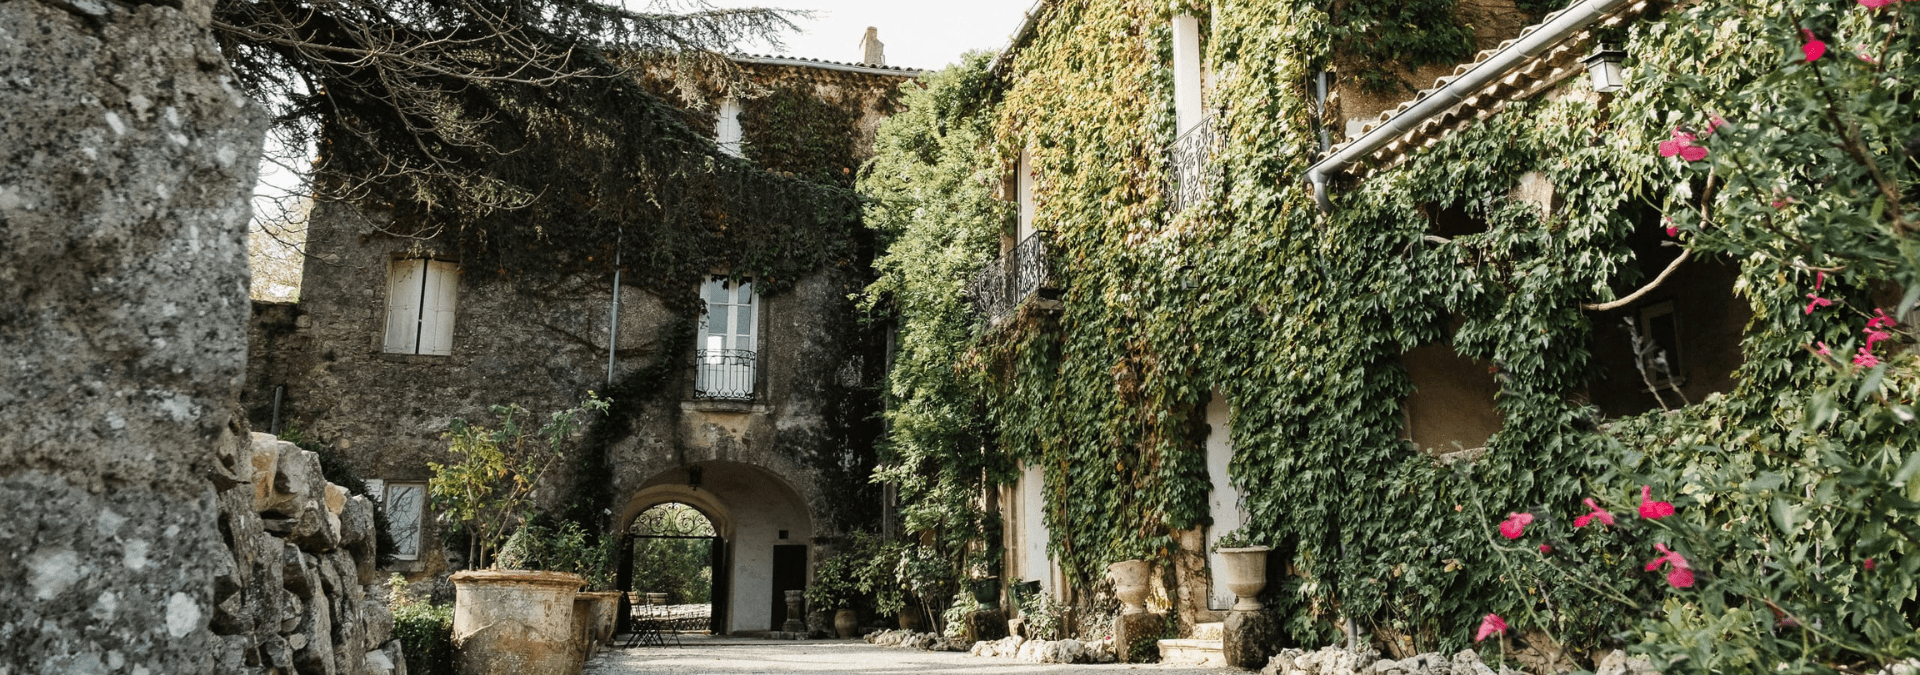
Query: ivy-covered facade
(1537, 301)
(691, 262)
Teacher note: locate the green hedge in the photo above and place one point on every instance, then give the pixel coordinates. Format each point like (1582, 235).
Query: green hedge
(426, 633)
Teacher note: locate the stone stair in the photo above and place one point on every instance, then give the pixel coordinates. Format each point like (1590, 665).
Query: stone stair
(1203, 648)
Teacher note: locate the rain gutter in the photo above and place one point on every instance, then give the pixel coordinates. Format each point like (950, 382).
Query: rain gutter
(1029, 22)
(1559, 27)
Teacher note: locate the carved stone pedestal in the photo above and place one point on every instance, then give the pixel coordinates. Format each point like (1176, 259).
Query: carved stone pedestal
(796, 619)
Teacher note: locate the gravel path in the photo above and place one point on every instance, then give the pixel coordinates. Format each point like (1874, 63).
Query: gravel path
(735, 656)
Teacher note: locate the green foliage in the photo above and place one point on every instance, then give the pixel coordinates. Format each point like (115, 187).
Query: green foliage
(682, 568)
(793, 131)
(836, 584)
(932, 203)
(1045, 618)
(488, 488)
(425, 631)
(562, 548)
(1380, 44)
(955, 616)
(1301, 321)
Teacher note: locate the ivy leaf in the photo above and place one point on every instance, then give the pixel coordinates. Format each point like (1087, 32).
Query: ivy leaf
(1783, 516)
(1872, 383)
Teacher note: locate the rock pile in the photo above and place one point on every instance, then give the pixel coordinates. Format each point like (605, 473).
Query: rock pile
(1338, 661)
(295, 590)
(1046, 651)
(931, 642)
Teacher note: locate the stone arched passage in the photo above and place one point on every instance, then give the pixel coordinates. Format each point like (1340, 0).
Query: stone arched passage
(765, 524)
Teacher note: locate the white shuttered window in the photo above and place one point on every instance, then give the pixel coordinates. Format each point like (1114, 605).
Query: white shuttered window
(420, 299)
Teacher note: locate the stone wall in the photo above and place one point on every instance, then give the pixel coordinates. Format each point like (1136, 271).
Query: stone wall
(298, 594)
(126, 161)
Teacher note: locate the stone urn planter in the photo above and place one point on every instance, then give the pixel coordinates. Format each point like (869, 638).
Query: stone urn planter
(516, 622)
(1245, 571)
(1129, 579)
(605, 608)
(847, 623)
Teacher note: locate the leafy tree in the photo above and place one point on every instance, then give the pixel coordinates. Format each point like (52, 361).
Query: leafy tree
(490, 486)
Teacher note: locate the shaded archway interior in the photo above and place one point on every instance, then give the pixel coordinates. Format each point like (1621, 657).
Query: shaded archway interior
(763, 529)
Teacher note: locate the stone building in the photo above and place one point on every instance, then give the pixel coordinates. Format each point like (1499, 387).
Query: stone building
(757, 408)
(1672, 337)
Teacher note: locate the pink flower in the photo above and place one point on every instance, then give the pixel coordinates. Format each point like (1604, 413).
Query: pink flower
(1673, 231)
(1813, 48)
(1817, 301)
(1819, 279)
(1868, 564)
(1866, 57)
(1823, 349)
(1783, 202)
(1880, 319)
(1652, 510)
(1865, 359)
(1874, 336)
(1681, 575)
(1875, 4)
(1515, 525)
(1682, 144)
(1545, 549)
(1597, 513)
(1490, 624)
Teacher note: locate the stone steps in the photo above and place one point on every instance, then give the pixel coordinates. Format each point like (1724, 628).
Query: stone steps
(1203, 649)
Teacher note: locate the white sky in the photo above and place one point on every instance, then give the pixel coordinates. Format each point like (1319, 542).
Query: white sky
(917, 33)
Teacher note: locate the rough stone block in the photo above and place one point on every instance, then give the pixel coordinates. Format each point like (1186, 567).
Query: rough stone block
(1250, 639)
(1136, 637)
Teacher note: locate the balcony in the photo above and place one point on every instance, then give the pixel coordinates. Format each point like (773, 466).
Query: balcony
(1191, 171)
(1004, 283)
(723, 374)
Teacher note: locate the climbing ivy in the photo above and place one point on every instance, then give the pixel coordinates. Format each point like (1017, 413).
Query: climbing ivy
(1301, 319)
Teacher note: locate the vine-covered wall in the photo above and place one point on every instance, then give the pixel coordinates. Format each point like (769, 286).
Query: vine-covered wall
(1303, 318)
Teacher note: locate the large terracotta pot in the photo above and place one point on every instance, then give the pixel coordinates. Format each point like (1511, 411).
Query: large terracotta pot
(847, 623)
(515, 622)
(1245, 571)
(606, 613)
(1129, 579)
(583, 641)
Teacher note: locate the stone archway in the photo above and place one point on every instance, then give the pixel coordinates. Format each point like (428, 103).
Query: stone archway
(766, 528)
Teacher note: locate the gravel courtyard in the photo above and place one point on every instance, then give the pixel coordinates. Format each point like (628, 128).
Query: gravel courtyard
(733, 656)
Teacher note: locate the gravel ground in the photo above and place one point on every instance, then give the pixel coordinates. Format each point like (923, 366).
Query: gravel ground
(736, 656)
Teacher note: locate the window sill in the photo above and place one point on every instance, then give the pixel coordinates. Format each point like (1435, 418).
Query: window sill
(723, 406)
(391, 357)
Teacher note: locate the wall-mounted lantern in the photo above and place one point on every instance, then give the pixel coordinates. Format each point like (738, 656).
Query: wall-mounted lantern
(1603, 65)
(693, 477)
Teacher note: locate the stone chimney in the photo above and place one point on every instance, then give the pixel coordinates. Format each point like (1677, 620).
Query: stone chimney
(872, 52)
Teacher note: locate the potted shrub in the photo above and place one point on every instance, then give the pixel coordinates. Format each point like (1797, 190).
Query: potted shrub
(1243, 565)
(835, 589)
(507, 620)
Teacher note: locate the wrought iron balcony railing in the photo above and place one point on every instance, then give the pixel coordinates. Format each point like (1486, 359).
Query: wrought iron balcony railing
(1191, 170)
(1004, 283)
(723, 374)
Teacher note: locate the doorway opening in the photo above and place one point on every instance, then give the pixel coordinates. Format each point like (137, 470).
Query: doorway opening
(674, 570)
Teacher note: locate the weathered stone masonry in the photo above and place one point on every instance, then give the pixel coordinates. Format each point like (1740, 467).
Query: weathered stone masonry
(126, 161)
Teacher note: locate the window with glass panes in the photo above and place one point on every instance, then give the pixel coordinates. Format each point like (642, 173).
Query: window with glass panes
(726, 358)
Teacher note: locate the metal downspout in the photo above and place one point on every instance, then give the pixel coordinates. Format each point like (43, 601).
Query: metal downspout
(613, 315)
(1564, 24)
